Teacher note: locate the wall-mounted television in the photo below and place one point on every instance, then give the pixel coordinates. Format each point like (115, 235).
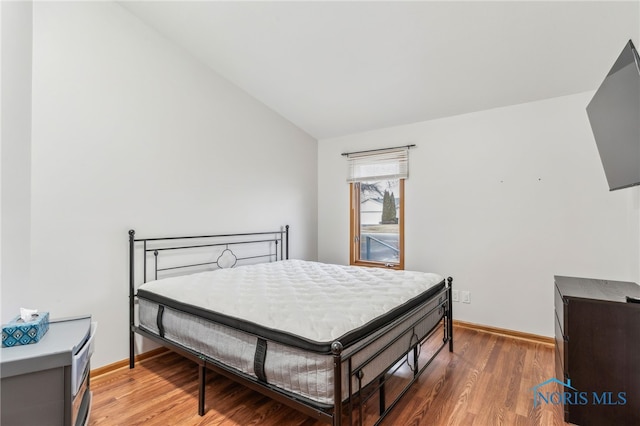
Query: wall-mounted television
(614, 114)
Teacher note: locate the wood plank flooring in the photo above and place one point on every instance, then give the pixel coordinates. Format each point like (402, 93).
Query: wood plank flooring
(487, 380)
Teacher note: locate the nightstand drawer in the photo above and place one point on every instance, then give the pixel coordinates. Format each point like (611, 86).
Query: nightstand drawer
(78, 399)
(80, 361)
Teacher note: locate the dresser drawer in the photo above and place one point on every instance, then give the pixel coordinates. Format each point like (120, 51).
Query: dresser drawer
(560, 308)
(561, 348)
(559, 365)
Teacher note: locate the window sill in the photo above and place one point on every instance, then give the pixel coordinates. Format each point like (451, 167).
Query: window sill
(370, 264)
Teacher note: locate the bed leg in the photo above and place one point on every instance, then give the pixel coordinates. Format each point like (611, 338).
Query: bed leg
(450, 315)
(336, 350)
(132, 237)
(382, 407)
(202, 377)
(132, 357)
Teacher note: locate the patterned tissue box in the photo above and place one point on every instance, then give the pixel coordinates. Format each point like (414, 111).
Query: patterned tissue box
(19, 332)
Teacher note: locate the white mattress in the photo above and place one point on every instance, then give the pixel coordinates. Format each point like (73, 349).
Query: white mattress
(300, 307)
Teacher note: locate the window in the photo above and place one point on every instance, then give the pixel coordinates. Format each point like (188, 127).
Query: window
(377, 223)
(377, 207)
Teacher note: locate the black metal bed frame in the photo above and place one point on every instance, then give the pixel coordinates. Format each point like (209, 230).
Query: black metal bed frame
(280, 239)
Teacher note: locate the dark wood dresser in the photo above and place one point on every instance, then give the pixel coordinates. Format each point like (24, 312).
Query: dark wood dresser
(598, 350)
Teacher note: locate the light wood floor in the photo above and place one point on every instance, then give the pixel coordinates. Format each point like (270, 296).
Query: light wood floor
(487, 380)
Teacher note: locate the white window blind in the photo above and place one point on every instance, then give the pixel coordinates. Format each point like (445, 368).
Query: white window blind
(392, 163)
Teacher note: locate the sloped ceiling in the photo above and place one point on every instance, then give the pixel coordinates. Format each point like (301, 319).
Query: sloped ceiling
(337, 68)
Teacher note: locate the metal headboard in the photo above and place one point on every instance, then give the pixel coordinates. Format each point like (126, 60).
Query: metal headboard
(274, 246)
(267, 246)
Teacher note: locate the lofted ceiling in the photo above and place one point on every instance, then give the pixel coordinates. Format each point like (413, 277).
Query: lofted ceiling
(337, 68)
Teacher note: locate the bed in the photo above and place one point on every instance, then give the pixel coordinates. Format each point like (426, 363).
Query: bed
(324, 339)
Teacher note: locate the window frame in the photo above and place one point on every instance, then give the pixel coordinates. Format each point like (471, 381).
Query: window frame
(354, 233)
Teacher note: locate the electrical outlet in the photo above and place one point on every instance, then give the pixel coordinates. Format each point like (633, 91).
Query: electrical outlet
(454, 296)
(466, 297)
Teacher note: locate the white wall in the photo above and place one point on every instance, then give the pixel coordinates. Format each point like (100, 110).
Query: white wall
(16, 155)
(131, 132)
(501, 200)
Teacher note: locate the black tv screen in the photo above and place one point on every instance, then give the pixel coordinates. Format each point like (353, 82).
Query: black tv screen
(614, 114)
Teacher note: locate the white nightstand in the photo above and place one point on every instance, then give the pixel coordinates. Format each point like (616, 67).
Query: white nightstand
(47, 383)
